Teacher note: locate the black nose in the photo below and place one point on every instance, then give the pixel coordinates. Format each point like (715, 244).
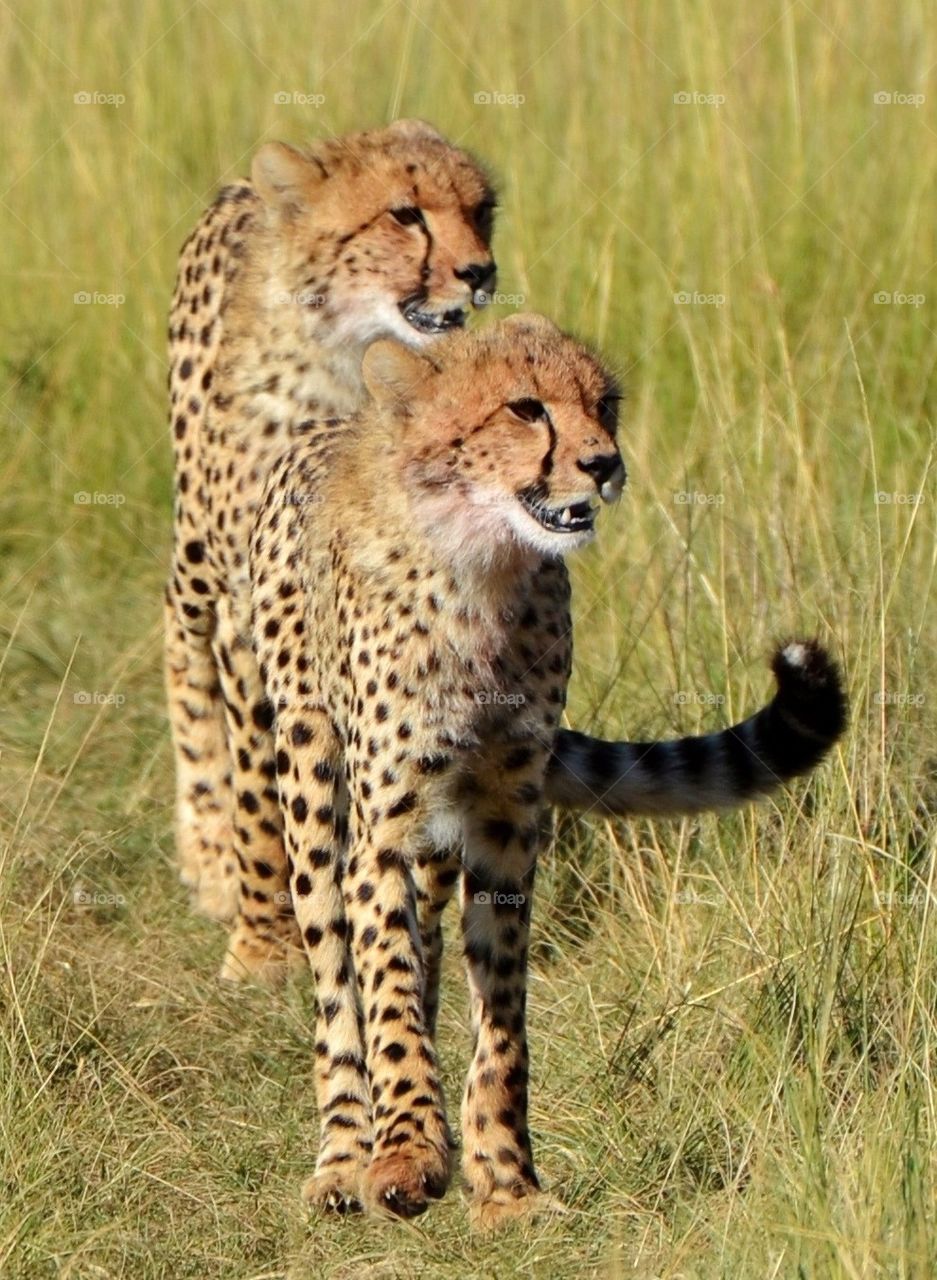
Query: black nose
(477, 274)
(602, 467)
(608, 472)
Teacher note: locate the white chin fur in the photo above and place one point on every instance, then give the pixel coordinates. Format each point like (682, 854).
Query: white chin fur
(467, 528)
(484, 526)
(357, 324)
(377, 318)
(532, 533)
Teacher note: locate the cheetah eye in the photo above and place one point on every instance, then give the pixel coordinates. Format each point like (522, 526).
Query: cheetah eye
(527, 410)
(607, 411)
(408, 216)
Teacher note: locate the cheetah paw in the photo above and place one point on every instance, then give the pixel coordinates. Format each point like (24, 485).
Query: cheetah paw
(252, 957)
(504, 1204)
(335, 1191)
(401, 1185)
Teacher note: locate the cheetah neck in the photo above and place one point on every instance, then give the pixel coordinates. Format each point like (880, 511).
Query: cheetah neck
(309, 368)
(432, 544)
(468, 614)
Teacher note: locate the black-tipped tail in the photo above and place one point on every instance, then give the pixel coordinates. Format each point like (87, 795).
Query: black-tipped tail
(786, 738)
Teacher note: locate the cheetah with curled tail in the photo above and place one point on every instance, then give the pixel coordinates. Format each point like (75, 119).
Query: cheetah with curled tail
(280, 288)
(391, 567)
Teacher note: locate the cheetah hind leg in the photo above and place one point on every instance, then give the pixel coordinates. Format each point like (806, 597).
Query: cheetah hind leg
(435, 878)
(214, 883)
(204, 800)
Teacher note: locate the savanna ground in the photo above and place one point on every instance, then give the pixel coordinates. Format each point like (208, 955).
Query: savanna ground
(733, 1022)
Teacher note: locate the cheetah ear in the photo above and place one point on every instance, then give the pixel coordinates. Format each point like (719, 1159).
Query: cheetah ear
(530, 322)
(284, 178)
(394, 373)
(415, 131)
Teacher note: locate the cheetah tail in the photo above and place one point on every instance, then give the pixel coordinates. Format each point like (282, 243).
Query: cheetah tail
(716, 770)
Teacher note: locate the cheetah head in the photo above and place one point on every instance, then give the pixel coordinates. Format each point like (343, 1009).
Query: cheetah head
(504, 438)
(379, 234)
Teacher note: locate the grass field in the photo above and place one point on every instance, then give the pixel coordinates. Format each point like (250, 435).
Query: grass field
(734, 1022)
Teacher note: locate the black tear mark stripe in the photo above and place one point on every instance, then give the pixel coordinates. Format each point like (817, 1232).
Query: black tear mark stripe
(546, 466)
(425, 264)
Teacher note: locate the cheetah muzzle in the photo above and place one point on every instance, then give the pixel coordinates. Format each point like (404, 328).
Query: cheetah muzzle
(427, 322)
(578, 517)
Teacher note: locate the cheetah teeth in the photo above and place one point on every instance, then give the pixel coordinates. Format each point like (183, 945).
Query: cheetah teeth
(574, 518)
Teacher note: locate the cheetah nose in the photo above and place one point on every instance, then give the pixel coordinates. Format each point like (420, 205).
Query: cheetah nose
(480, 277)
(608, 472)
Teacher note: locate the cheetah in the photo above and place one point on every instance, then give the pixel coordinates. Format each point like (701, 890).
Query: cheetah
(281, 288)
(392, 565)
